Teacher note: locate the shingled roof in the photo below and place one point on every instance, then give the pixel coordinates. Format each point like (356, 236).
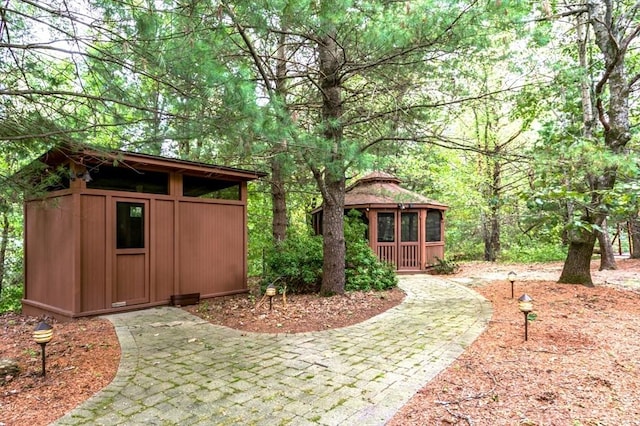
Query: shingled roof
(379, 189)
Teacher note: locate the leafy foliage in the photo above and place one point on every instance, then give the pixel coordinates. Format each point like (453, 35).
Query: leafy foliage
(10, 298)
(364, 271)
(445, 267)
(534, 252)
(297, 262)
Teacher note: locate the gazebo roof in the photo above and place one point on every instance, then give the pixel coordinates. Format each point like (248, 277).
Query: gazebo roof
(380, 189)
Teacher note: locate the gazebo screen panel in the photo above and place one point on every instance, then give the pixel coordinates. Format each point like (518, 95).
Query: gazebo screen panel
(433, 225)
(386, 227)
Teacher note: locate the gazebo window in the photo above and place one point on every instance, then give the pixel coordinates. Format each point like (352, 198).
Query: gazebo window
(193, 186)
(409, 227)
(386, 227)
(434, 230)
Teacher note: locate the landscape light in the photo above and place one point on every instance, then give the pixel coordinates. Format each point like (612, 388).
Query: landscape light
(271, 291)
(525, 303)
(511, 277)
(42, 335)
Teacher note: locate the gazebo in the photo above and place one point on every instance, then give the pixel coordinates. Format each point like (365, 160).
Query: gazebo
(121, 230)
(405, 228)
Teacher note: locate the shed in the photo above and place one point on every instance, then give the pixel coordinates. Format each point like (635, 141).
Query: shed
(404, 228)
(122, 231)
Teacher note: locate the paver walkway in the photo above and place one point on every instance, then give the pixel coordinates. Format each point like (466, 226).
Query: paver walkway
(178, 369)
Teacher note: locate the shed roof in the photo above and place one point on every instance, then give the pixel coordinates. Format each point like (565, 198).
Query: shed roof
(85, 154)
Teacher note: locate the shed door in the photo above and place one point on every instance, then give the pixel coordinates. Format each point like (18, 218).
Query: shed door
(131, 263)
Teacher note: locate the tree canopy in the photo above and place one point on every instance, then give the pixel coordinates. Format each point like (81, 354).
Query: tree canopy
(520, 116)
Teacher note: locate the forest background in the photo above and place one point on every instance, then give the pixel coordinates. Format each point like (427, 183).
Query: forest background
(519, 115)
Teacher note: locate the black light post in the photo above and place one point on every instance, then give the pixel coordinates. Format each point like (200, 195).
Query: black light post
(525, 303)
(511, 277)
(271, 291)
(42, 335)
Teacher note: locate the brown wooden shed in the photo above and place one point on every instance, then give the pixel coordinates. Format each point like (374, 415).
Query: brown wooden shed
(404, 227)
(122, 231)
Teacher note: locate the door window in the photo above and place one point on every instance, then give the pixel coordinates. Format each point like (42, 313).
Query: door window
(409, 227)
(130, 223)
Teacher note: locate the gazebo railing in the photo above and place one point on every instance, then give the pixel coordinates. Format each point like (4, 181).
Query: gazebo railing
(387, 253)
(409, 256)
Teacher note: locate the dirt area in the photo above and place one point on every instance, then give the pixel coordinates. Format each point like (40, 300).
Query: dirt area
(81, 359)
(579, 366)
(295, 313)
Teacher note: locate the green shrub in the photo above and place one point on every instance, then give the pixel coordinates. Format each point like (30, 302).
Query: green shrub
(297, 262)
(445, 267)
(540, 252)
(364, 270)
(10, 298)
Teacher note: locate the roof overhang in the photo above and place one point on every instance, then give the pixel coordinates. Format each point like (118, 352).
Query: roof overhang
(87, 155)
(391, 206)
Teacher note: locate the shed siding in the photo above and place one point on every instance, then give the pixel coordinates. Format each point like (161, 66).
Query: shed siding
(77, 262)
(130, 282)
(162, 254)
(211, 235)
(50, 265)
(93, 252)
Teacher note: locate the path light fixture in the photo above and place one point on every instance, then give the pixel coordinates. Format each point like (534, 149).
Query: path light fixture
(271, 291)
(512, 278)
(525, 303)
(42, 335)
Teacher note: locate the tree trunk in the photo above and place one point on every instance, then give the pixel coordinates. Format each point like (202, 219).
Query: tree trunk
(332, 180)
(278, 189)
(3, 246)
(492, 236)
(278, 200)
(607, 259)
(334, 249)
(492, 240)
(577, 266)
(634, 229)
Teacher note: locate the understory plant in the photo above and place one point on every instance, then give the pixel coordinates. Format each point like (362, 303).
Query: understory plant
(10, 298)
(364, 271)
(445, 267)
(297, 262)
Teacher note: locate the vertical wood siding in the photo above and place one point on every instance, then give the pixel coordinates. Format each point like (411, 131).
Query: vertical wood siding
(130, 284)
(93, 253)
(211, 248)
(50, 262)
(162, 250)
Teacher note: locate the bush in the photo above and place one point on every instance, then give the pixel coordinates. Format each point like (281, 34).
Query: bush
(297, 262)
(10, 298)
(445, 267)
(364, 270)
(540, 252)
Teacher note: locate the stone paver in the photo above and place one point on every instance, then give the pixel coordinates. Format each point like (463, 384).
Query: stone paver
(178, 369)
